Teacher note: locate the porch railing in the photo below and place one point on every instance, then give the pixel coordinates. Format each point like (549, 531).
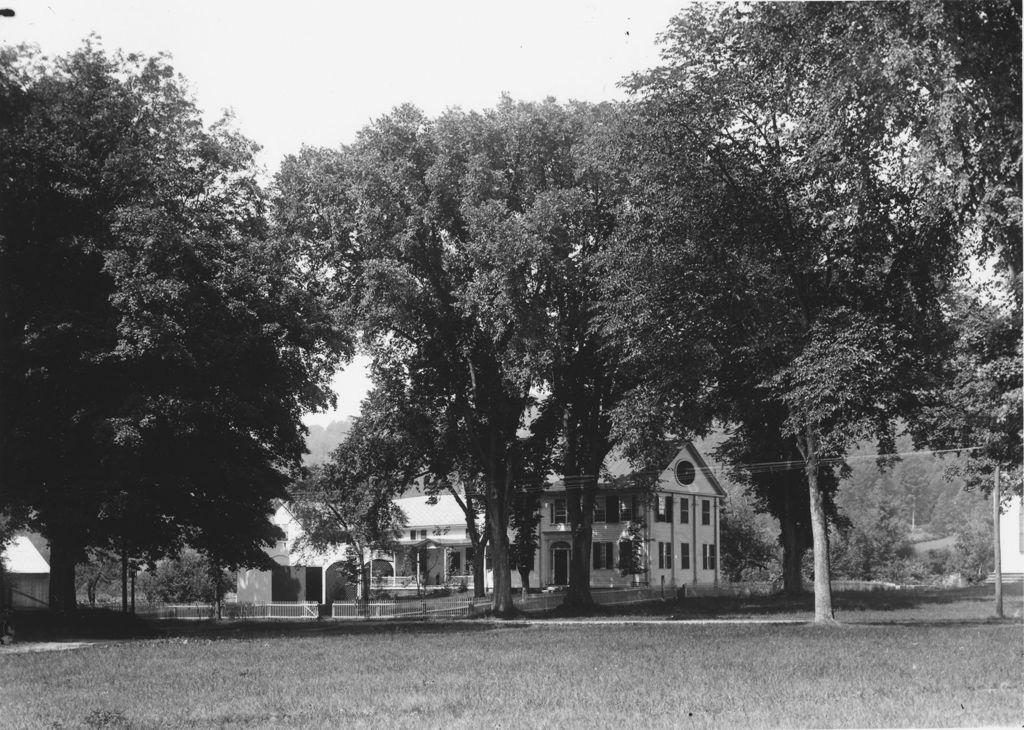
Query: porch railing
(408, 582)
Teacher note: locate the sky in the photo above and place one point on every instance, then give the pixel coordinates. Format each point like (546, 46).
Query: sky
(316, 72)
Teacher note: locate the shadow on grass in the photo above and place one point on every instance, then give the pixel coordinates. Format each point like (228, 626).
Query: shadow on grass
(930, 601)
(926, 607)
(85, 623)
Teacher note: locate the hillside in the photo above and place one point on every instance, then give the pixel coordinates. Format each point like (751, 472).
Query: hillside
(322, 440)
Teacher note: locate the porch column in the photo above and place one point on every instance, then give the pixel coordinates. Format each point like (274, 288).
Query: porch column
(444, 566)
(323, 583)
(416, 559)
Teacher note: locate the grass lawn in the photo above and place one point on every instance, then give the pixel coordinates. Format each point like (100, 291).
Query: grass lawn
(931, 661)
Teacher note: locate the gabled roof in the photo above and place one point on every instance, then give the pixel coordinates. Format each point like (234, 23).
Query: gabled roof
(617, 467)
(703, 468)
(418, 510)
(22, 556)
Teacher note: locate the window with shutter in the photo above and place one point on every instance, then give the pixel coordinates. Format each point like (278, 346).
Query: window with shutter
(599, 509)
(708, 557)
(684, 510)
(684, 555)
(705, 511)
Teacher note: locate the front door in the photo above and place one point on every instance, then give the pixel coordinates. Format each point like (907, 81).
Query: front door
(561, 562)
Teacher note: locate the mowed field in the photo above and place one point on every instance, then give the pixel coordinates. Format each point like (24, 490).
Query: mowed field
(935, 663)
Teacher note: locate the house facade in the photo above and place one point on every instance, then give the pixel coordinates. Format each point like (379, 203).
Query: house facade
(668, 535)
(665, 534)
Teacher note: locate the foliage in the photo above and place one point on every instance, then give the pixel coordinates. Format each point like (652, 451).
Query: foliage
(350, 499)
(748, 549)
(187, 578)
(100, 576)
(980, 402)
(790, 204)
(633, 550)
(160, 348)
(451, 239)
(874, 546)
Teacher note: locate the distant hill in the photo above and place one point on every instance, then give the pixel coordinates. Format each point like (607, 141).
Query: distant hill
(322, 440)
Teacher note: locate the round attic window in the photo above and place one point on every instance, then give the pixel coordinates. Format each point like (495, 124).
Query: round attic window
(685, 472)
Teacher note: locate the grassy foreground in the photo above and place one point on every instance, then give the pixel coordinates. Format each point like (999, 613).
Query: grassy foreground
(954, 671)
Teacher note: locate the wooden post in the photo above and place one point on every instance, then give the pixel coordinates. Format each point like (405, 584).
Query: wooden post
(995, 544)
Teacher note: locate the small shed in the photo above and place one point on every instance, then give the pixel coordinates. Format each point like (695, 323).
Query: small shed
(26, 574)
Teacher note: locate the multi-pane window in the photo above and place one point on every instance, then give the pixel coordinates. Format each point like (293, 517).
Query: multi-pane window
(663, 510)
(604, 555)
(684, 510)
(558, 513)
(665, 555)
(626, 509)
(709, 556)
(600, 513)
(705, 511)
(684, 555)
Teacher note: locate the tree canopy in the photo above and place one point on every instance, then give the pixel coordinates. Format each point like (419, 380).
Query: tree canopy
(159, 346)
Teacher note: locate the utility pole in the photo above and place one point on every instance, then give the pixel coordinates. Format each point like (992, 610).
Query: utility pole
(995, 540)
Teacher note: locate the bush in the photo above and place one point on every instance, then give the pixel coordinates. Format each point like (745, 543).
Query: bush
(188, 578)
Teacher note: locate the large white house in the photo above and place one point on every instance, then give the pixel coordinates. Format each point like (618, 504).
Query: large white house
(673, 527)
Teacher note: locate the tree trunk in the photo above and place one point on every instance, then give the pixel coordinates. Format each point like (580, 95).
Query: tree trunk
(479, 561)
(524, 578)
(792, 549)
(497, 506)
(62, 575)
(580, 500)
(823, 613)
(124, 579)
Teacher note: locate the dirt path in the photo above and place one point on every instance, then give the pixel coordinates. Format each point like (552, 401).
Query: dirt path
(29, 647)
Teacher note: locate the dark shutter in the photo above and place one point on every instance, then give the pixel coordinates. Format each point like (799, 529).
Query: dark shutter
(669, 499)
(609, 557)
(612, 509)
(597, 555)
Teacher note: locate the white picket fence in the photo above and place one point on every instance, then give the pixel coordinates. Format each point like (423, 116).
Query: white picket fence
(606, 597)
(424, 608)
(181, 611)
(205, 611)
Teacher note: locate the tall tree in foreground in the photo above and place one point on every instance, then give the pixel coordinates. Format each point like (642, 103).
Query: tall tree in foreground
(424, 231)
(791, 196)
(159, 348)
